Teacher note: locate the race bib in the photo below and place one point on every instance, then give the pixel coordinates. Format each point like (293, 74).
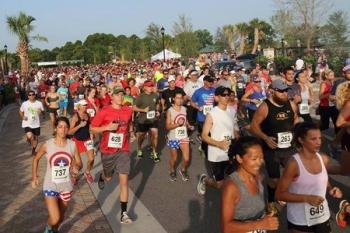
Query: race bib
(81, 97)
(316, 214)
(151, 114)
(115, 140)
(304, 109)
(284, 139)
(207, 108)
(226, 136)
(91, 112)
(89, 145)
(258, 231)
(43, 94)
(60, 174)
(181, 132)
(259, 103)
(240, 85)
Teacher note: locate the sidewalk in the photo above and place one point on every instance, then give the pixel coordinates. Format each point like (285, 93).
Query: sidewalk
(22, 209)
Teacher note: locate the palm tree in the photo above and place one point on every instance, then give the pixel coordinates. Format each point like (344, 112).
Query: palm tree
(242, 29)
(22, 26)
(258, 33)
(229, 31)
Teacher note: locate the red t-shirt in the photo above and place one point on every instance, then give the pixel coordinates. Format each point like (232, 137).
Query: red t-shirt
(121, 116)
(90, 109)
(105, 100)
(43, 88)
(73, 87)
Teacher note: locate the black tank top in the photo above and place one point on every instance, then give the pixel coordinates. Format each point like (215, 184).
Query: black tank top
(278, 120)
(83, 133)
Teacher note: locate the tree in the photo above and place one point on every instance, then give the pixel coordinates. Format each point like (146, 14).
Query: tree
(22, 26)
(204, 38)
(229, 31)
(335, 31)
(307, 15)
(242, 29)
(183, 25)
(257, 26)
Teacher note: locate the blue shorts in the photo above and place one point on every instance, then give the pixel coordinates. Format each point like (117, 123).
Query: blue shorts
(63, 104)
(175, 144)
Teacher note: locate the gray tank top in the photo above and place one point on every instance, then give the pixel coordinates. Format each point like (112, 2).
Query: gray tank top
(59, 159)
(250, 207)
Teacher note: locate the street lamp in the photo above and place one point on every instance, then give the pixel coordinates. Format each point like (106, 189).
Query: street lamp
(162, 30)
(282, 45)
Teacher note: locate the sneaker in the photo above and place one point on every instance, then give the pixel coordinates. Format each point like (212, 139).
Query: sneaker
(47, 230)
(199, 139)
(340, 216)
(101, 182)
(89, 177)
(201, 188)
(125, 219)
(172, 176)
(139, 154)
(184, 175)
(155, 157)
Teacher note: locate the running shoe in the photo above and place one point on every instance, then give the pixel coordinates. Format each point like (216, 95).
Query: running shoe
(199, 138)
(201, 188)
(172, 176)
(47, 230)
(139, 154)
(89, 177)
(340, 216)
(101, 182)
(184, 175)
(155, 157)
(125, 219)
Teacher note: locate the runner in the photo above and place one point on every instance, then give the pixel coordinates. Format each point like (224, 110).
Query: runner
(29, 112)
(306, 93)
(168, 94)
(243, 205)
(61, 155)
(254, 96)
(43, 89)
(176, 123)
(52, 103)
(220, 125)
(79, 128)
(304, 183)
(203, 101)
(104, 97)
(190, 87)
(147, 106)
(273, 122)
(114, 123)
(63, 94)
(93, 103)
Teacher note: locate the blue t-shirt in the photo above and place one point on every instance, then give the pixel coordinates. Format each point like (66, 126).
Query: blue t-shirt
(202, 97)
(63, 93)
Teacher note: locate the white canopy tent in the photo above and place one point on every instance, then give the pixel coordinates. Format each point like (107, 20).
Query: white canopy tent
(168, 55)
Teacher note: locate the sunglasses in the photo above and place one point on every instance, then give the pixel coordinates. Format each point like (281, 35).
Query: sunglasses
(257, 81)
(281, 91)
(31, 94)
(225, 94)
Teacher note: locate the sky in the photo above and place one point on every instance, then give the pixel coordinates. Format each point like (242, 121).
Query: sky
(61, 21)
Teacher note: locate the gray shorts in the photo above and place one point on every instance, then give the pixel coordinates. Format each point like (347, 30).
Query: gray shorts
(119, 162)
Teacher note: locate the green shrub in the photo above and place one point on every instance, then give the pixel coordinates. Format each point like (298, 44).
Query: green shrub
(282, 62)
(9, 93)
(336, 64)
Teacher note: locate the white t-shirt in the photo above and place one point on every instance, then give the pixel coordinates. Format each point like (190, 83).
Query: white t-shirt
(33, 86)
(31, 112)
(190, 87)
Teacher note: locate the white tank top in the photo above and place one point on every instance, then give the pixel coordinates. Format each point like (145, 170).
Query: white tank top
(301, 213)
(222, 129)
(178, 117)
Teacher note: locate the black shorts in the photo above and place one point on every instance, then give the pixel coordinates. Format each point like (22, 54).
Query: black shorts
(321, 228)
(217, 170)
(274, 159)
(35, 131)
(145, 127)
(53, 110)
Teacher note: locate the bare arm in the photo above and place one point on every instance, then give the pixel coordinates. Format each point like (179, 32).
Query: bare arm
(35, 162)
(259, 116)
(295, 110)
(343, 116)
(224, 144)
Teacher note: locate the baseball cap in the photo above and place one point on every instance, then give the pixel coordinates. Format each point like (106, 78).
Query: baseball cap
(279, 84)
(117, 90)
(82, 102)
(346, 68)
(171, 78)
(221, 90)
(208, 79)
(148, 83)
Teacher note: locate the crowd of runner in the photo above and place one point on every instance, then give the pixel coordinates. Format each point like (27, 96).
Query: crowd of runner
(249, 125)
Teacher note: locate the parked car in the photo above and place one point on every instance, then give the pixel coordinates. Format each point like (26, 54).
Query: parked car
(246, 60)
